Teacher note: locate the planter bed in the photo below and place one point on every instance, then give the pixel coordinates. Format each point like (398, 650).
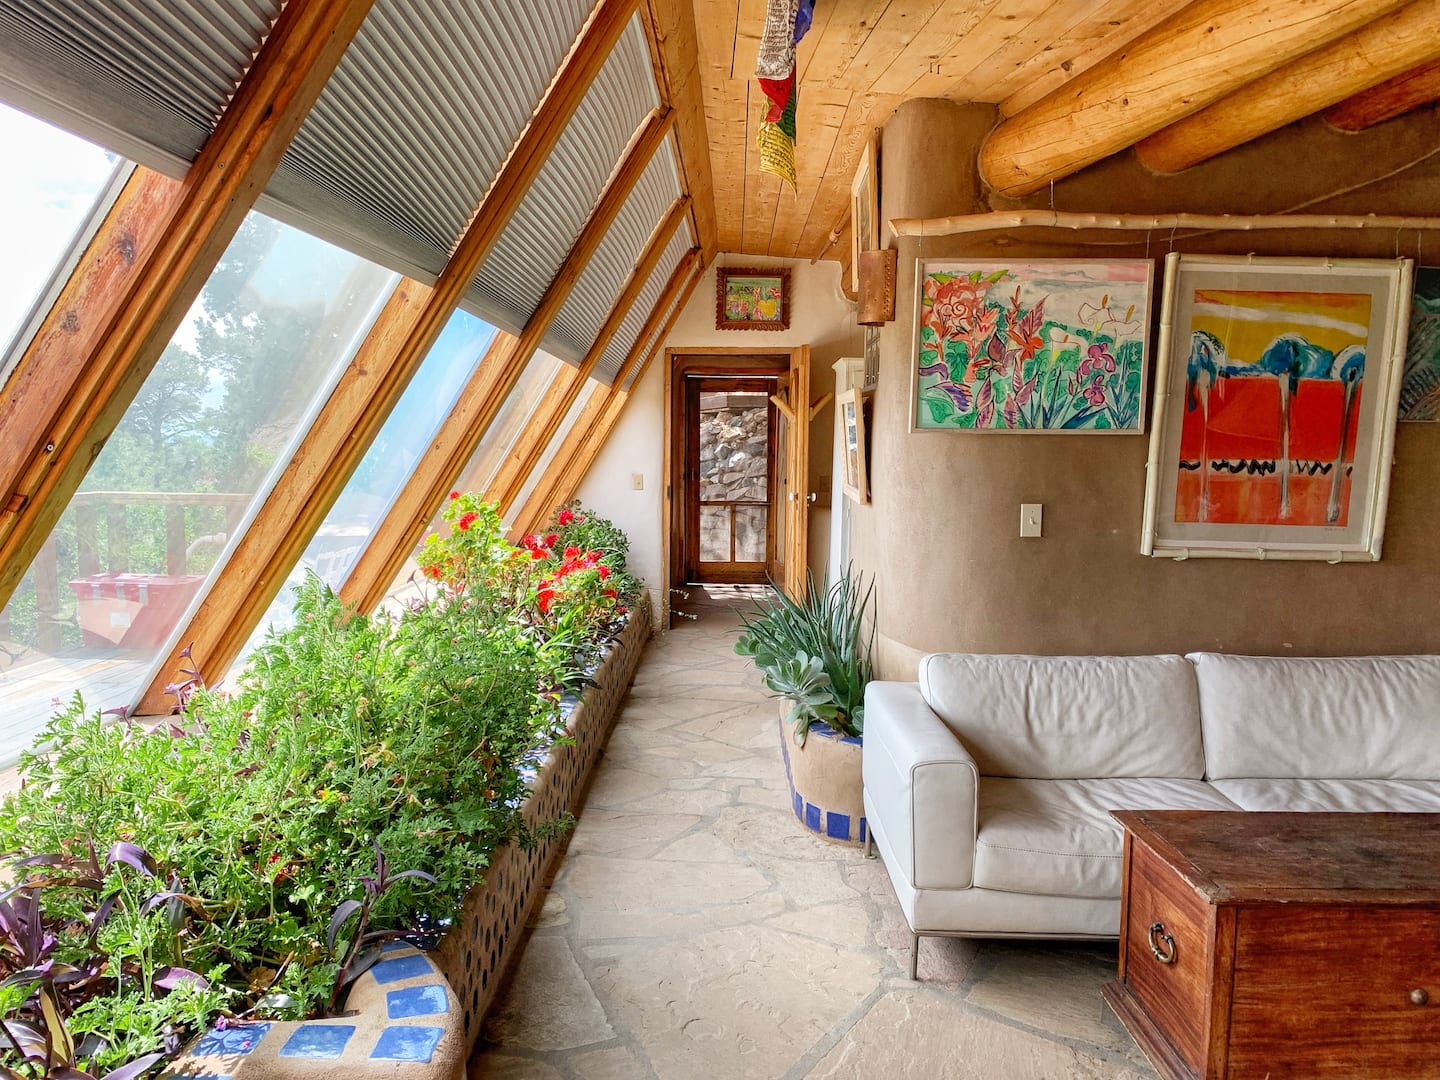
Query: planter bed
(419, 1014)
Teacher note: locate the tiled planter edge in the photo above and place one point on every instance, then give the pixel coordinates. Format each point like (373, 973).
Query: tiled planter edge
(826, 786)
(416, 1014)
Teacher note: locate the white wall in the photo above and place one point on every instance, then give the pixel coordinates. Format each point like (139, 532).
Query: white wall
(820, 317)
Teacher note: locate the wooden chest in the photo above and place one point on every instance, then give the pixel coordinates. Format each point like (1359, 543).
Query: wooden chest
(1264, 946)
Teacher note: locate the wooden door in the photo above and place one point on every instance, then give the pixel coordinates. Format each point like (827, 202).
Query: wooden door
(795, 489)
(730, 474)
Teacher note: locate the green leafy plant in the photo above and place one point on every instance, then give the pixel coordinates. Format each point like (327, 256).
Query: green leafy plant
(815, 652)
(271, 816)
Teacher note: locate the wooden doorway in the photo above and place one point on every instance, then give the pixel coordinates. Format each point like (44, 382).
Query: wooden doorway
(786, 375)
(730, 474)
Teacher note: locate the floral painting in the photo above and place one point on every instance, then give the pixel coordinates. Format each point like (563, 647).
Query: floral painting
(1040, 345)
(752, 299)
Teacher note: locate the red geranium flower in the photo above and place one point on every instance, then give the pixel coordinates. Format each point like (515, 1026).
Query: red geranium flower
(572, 552)
(454, 495)
(566, 517)
(551, 539)
(467, 519)
(604, 571)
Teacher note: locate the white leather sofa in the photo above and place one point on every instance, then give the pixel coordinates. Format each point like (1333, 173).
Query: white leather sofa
(988, 783)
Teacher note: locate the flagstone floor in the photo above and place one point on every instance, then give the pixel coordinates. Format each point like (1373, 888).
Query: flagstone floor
(695, 930)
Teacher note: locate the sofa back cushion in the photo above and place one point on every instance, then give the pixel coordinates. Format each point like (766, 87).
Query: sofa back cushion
(1319, 718)
(1069, 717)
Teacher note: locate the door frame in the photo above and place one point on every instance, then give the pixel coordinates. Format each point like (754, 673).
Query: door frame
(792, 364)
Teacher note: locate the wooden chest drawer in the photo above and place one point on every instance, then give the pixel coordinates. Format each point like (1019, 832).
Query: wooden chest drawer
(1281, 946)
(1168, 961)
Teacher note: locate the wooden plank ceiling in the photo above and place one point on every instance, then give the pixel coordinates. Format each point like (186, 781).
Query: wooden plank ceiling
(862, 58)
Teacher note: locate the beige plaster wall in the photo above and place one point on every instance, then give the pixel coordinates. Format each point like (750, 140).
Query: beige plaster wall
(941, 533)
(820, 317)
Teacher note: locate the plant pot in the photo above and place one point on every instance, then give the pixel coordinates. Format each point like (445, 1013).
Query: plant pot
(826, 788)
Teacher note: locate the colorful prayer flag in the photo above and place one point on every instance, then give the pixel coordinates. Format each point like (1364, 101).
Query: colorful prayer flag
(785, 24)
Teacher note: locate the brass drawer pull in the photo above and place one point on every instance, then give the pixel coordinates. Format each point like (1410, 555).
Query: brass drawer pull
(1167, 955)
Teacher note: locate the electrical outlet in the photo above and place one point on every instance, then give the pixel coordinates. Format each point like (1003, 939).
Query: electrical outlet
(637, 481)
(1029, 519)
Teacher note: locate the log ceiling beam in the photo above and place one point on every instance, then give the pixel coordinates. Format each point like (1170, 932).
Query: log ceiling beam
(550, 413)
(577, 453)
(670, 26)
(372, 383)
(1208, 49)
(484, 395)
(141, 273)
(1387, 47)
(1395, 97)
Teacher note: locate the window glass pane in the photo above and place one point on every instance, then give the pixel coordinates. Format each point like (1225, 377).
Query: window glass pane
(48, 190)
(556, 438)
(714, 534)
(199, 446)
(485, 462)
(388, 464)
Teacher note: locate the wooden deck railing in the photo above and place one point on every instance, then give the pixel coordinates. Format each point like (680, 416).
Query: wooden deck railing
(89, 509)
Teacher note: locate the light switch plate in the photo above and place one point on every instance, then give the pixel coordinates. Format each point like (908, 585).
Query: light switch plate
(637, 481)
(1029, 519)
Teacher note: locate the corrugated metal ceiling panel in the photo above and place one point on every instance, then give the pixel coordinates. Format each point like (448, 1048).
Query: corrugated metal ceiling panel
(619, 348)
(514, 277)
(579, 321)
(423, 109)
(146, 78)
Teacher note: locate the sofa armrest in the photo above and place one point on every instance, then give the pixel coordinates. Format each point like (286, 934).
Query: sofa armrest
(922, 784)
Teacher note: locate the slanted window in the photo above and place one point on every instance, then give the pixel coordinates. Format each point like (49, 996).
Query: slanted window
(195, 453)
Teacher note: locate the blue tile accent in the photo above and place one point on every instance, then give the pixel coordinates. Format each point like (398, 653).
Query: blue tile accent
(197, 1076)
(416, 1001)
(812, 817)
(799, 805)
(318, 1041)
(234, 1040)
(395, 946)
(401, 967)
(837, 826)
(824, 730)
(406, 1042)
(853, 740)
(864, 828)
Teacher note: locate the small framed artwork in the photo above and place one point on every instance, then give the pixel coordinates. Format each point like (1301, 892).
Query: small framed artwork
(752, 299)
(1276, 400)
(850, 413)
(864, 210)
(1420, 385)
(1038, 345)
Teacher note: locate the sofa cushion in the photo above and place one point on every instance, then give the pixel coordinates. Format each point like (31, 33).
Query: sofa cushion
(1057, 838)
(1358, 796)
(1350, 718)
(1057, 717)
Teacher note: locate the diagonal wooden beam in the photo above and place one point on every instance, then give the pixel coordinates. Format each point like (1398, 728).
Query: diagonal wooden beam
(372, 383)
(576, 454)
(1387, 47)
(514, 470)
(1395, 97)
(481, 400)
(670, 26)
(140, 275)
(1203, 52)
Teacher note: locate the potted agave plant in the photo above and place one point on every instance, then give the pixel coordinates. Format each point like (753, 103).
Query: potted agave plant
(815, 653)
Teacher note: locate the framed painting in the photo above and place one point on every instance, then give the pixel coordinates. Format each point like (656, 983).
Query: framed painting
(1040, 345)
(1275, 406)
(864, 210)
(1420, 384)
(850, 414)
(752, 299)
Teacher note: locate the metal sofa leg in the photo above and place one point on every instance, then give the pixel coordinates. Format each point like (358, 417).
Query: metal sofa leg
(869, 844)
(914, 956)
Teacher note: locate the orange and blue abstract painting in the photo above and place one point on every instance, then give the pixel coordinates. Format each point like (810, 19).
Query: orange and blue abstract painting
(1272, 393)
